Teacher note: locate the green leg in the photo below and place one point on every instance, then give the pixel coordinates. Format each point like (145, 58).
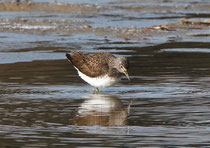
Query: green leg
(93, 90)
(97, 90)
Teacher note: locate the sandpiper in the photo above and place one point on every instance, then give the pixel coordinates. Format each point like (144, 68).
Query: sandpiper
(99, 70)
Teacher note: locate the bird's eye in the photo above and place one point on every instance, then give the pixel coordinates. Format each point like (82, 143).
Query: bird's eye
(121, 66)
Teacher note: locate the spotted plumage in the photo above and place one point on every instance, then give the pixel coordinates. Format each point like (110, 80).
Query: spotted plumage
(99, 70)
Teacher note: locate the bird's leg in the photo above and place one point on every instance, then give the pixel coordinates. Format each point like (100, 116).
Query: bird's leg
(93, 90)
(97, 90)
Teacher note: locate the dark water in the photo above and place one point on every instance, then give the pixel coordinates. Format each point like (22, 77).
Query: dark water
(43, 102)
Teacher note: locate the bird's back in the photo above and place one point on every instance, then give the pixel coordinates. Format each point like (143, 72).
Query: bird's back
(91, 65)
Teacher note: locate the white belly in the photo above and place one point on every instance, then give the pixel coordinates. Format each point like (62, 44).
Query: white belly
(104, 81)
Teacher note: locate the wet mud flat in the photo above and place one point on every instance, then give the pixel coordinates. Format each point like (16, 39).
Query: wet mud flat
(43, 102)
(74, 19)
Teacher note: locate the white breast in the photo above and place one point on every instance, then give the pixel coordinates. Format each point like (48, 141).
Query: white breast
(103, 81)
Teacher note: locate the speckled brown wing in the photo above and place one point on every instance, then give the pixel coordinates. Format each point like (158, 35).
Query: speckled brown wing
(90, 65)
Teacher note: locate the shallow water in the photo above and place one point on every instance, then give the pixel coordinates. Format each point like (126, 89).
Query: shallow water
(43, 102)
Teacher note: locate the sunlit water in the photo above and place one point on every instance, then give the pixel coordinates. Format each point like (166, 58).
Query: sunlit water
(43, 102)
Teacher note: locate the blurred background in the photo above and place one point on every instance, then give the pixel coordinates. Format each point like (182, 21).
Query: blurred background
(44, 103)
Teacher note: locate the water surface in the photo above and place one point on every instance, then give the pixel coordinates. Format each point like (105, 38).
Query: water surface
(43, 102)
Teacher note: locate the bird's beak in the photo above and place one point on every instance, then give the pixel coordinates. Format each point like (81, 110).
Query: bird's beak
(126, 74)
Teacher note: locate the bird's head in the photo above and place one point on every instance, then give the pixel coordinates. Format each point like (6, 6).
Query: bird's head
(122, 66)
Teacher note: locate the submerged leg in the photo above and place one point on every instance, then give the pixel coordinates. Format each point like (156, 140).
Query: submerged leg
(97, 90)
(93, 90)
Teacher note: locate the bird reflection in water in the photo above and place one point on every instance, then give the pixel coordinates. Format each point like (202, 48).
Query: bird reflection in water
(102, 109)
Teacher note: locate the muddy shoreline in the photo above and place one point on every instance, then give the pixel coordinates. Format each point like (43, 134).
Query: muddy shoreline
(75, 27)
(71, 28)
